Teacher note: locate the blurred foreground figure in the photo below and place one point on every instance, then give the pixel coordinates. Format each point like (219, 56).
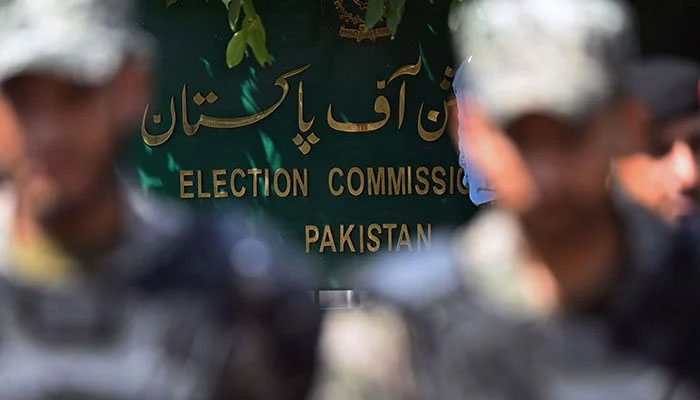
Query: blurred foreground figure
(107, 295)
(10, 139)
(532, 299)
(665, 176)
(480, 192)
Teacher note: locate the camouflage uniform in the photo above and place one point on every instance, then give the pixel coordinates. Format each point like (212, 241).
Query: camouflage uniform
(454, 324)
(181, 307)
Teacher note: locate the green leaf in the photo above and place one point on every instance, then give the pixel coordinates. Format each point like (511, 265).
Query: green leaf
(234, 11)
(254, 24)
(393, 19)
(453, 18)
(454, 4)
(262, 28)
(249, 8)
(257, 40)
(226, 3)
(398, 6)
(375, 10)
(236, 48)
(169, 3)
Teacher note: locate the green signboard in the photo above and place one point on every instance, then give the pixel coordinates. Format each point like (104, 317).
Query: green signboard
(342, 140)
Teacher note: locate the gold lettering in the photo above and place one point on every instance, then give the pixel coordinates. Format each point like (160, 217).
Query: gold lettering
(390, 234)
(397, 182)
(404, 239)
(236, 192)
(356, 191)
(219, 183)
(373, 238)
(339, 191)
(452, 179)
(440, 186)
(267, 182)
(185, 173)
(276, 183)
(410, 180)
(327, 240)
(312, 235)
(345, 238)
(200, 193)
(362, 239)
(376, 184)
(422, 237)
(460, 182)
(301, 184)
(421, 176)
(255, 172)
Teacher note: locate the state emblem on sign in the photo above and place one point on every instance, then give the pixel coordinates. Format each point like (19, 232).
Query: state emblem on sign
(347, 19)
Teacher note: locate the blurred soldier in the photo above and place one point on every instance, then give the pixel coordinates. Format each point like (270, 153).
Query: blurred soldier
(107, 295)
(527, 301)
(9, 138)
(665, 177)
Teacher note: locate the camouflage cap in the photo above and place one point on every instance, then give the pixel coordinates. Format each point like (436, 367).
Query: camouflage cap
(85, 41)
(564, 58)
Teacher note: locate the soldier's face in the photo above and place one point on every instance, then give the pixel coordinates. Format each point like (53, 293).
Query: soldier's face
(568, 166)
(70, 135)
(666, 178)
(553, 174)
(682, 167)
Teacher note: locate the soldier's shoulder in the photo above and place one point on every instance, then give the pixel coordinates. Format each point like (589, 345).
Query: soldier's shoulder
(457, 266)
(229, 251)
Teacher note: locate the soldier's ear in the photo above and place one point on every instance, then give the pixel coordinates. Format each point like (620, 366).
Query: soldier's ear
(133, 90)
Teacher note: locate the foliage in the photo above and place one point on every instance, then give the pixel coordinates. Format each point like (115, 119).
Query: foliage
(248, 32)
(392, 11)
